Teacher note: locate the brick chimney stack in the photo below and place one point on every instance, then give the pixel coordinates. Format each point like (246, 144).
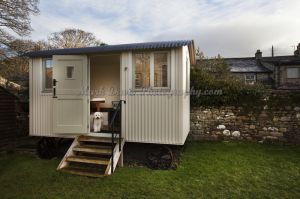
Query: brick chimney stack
(297, 52)
(258, 54)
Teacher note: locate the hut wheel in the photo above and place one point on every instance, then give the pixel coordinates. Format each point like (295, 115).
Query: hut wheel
(162, 158)
(47, 148)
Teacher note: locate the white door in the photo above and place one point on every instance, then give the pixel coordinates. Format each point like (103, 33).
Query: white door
(70, 94)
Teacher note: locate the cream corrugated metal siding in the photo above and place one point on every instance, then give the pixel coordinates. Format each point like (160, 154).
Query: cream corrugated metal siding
(152, 119)
(160, 118)
(40, 103)
(156, 118)
(186, 97)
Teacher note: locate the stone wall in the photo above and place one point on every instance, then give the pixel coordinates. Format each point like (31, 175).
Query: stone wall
(237, 123)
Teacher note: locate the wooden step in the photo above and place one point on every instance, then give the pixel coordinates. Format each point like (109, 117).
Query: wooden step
(90, 160)
(93, 150)
(82, 171)
(96, 139)
(84, 156)
(95, 145)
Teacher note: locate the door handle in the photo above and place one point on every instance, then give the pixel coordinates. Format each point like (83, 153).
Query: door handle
(54, 81)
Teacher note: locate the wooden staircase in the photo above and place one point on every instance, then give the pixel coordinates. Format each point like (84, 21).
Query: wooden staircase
(93, 156)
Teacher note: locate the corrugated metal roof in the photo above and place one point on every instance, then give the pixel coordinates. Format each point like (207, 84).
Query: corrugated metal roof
(111, 48)
(246, 65)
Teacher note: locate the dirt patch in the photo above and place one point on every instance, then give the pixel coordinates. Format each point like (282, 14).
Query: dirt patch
(154, 156)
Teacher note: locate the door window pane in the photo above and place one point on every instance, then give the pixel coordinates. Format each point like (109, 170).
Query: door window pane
(160, 69)
(47, 63)
(70, 71)
(142, 70)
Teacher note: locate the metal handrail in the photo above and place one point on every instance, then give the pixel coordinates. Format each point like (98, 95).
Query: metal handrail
(112, 126)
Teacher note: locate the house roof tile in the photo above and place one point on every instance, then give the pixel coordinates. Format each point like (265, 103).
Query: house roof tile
(246, 65)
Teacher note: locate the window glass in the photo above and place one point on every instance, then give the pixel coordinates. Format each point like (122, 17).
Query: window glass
(293, 72)
(142, 70)
(70, 71)
(160, 69)
(47, 74)
(250, 79)
(151, 69)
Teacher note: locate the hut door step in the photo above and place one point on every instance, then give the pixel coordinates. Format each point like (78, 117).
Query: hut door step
(92, 156)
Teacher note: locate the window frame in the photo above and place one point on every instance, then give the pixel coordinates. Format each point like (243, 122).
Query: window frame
(44, 89)
(133, 73)
(152, 68)
(72, 73)
(254, 79)
(187, 75)
(168, 71)
(293, 68)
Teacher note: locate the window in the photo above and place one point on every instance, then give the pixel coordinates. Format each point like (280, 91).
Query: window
(160, 69)
(151, 70)
(293, 73)
(47, 74)
(142, 70)
(70, 72)
(250, 79)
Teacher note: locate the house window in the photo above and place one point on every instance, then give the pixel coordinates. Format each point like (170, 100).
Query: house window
(250, 79)
(151, 70)
(47, 74)
(293, 73)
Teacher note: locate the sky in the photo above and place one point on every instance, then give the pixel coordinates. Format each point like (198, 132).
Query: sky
(231, 28)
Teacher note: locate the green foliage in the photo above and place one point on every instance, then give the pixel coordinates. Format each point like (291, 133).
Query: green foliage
(214, 75)
(281, 99)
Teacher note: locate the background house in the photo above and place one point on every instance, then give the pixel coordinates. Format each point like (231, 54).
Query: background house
(285, 70)
(279, 72)
(249, 70)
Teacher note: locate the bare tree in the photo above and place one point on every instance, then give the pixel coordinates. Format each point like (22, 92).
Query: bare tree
(20, 46)
(5, 39)
(14, 67)
(73, 38)
(15, 15)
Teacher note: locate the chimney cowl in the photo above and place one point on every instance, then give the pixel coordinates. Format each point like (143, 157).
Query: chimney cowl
(258, 54)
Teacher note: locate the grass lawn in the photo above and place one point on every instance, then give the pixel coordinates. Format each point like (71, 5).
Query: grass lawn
(207, 170)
